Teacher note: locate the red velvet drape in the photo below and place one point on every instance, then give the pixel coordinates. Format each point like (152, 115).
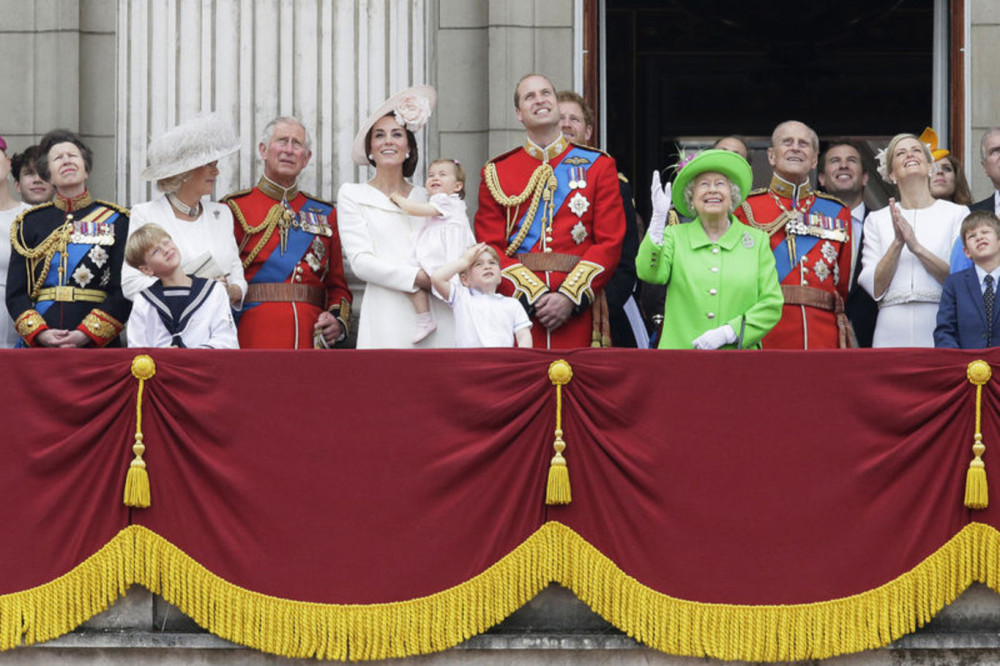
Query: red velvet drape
(362, 477)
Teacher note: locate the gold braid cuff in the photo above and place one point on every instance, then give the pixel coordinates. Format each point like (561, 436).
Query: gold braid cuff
(270, 223)
(577, 284)
(29, 323)
(101, 327)
(541, 185)
(343, 313)
(525, 282)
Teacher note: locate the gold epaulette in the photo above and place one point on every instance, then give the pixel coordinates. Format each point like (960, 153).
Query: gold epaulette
(234, 195)
(503, 155)
(20, 216)
(622, 177)
(112, 206)
(316, 199)
(829, 197)
(759, 190)
(590, 148)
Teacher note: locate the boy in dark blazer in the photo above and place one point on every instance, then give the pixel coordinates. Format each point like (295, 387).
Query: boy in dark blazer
(969, 316)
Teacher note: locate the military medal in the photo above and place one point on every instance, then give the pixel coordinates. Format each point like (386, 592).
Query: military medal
(578, 233)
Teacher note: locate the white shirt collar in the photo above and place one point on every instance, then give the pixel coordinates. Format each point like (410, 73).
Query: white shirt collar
(981, 275)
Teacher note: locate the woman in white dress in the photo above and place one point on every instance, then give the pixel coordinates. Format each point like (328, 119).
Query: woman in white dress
(378, 237)
(907, 247)
(183, 162)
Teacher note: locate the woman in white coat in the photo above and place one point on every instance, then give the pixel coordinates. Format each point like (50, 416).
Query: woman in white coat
(183, 162)
(378, 237)
(907, 247)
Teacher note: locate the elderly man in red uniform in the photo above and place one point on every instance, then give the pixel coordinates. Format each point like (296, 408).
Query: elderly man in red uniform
(298, 296)
(811, 239)
(553, 211)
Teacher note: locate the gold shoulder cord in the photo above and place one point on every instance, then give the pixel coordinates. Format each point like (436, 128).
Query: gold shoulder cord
(43, 252)
(268, 226)
(541, 184)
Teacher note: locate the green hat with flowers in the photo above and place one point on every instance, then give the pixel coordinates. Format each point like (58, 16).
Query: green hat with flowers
(729, 164)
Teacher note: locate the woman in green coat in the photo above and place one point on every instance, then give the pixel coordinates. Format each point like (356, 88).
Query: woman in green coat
(722, 287)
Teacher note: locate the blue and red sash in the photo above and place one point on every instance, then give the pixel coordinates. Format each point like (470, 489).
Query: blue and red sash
(278, 267)
(804, 244)
(562, 175)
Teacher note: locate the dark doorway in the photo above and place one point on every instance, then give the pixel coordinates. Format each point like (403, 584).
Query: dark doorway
(682, 73)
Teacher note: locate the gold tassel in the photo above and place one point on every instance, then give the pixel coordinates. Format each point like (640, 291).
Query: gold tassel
(977, 495)
(557, 491)
(137, 493)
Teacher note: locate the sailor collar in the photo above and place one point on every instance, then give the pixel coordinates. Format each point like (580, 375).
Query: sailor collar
(547, 153)
(275, 191)
(76, 203)
(783, 188)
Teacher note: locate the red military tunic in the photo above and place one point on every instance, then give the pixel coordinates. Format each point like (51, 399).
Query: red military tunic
(811, 239)
(555, 216)
(293, 265)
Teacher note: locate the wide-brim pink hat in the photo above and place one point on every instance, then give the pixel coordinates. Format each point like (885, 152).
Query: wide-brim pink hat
(412, 108)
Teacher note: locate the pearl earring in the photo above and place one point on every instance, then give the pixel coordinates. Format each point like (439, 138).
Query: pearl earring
(371, 157)
(407, 155)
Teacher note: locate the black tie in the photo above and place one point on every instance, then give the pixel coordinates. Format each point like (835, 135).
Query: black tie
(989, 297)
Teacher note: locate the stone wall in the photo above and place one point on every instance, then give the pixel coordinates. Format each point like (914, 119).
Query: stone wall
(984, 91)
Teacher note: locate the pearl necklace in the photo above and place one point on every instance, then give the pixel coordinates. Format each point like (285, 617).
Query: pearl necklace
(183, 208)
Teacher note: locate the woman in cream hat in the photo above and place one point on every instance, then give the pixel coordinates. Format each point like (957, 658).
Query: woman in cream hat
(183, 162)
(378, 237)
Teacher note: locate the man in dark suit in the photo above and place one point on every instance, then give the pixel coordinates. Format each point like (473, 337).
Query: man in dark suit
(842, 173)
(989, 153)
(968, 314)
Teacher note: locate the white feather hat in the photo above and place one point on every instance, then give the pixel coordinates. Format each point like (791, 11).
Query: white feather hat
(412, 108)
(195, 142)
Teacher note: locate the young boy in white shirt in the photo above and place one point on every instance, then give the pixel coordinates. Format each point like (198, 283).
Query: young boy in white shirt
(483, 318)
(177, 310)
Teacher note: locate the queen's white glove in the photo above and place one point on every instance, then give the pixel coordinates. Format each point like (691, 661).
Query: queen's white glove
(715, 338)
(660, 196)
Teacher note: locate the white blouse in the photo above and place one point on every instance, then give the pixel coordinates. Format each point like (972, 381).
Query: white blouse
(212, 232)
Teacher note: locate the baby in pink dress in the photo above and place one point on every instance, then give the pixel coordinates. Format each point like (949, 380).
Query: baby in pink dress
(444, 236)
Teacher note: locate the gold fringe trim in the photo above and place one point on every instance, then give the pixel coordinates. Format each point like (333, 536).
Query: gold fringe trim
(343, 631)
(555, 553)
(58, 607)
(864, 621)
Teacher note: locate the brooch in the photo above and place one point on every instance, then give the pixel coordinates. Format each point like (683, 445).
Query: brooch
(579, 204)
